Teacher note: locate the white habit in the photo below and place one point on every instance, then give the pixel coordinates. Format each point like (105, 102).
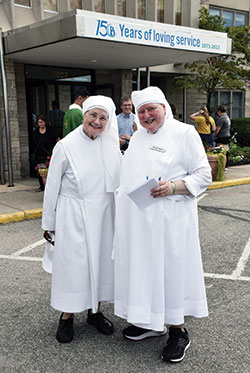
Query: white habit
(158, 269)
(79, 208)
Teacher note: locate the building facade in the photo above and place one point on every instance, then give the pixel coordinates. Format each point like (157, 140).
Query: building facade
(38, 76)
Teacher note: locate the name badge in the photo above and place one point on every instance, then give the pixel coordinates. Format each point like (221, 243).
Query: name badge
(158, 149)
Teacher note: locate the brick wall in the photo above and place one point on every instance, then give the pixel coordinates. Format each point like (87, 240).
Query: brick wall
(14, 122)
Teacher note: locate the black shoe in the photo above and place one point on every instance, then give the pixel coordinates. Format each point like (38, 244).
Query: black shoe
(65, 332)
(40, 189)
(137, 334)
(177, 344)
(100, 322)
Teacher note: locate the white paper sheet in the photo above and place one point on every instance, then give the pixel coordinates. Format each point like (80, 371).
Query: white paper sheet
(141, 195)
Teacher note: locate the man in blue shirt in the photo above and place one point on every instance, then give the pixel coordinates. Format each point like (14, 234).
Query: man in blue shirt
(125, 122)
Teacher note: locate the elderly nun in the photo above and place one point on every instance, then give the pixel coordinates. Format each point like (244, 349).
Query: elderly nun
(78, 211)
(158, 268)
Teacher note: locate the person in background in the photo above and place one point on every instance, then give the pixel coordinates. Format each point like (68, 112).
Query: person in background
(44, 142)
(78, 210)
(158, 270)
(56, 119)
(206, 125)
(126, 122)
(73, 117)
(174, 110)
(222, 133)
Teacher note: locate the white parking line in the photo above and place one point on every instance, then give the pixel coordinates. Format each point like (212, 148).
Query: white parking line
(243, 261)
(28, 248)
(27, 258)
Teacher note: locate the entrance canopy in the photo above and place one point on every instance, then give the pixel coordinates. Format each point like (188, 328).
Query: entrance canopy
(101, 41)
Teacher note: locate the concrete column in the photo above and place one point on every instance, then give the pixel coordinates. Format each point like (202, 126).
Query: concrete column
(132, 8)
(9, 8)
(190, 13)
(169, 11)
(126, 82)
(151, 11)
(110, 7)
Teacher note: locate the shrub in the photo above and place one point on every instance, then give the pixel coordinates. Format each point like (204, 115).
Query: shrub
(242, 127)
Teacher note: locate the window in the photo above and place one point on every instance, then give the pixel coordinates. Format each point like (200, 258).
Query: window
(99, 6)
(231, 17)
(75, 4)
(233, 100)
(178, 12)
(121, 8)
(160, 10)
(23, 2)
(51, 5)
(141, 9)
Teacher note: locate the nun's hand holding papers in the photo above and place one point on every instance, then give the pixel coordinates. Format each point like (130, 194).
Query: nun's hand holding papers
(164, 189)
(167, 188)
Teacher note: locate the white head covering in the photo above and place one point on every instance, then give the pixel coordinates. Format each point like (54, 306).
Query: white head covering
(109, 139)
(151, 95)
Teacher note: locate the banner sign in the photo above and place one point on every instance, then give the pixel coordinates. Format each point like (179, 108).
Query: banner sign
(121, 29)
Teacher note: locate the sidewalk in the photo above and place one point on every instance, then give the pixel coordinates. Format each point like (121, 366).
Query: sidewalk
(23, 202)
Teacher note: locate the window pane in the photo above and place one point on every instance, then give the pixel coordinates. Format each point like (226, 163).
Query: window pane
(23, 2)
(214, 12)
(142, 9)
(214, 103)
(75, 4)
(228, 17)
(99, 6)
(225, 99)
(121, 8)
(178, 12)
(240, 19)
(51, 5)
(160, 10)
(237, 109)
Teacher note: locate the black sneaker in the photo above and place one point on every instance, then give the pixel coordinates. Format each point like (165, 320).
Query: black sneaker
(177, 344)
(100, 322)
(137, 334)
(65, 332)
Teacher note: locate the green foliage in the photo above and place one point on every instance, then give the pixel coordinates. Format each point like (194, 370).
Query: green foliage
(220, 172)
(210, 22)
(229, 72)
(242, 129)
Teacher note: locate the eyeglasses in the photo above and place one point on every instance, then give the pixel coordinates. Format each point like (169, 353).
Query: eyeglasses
(94, 116)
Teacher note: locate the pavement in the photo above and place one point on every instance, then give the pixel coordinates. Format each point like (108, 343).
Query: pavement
(22, 202)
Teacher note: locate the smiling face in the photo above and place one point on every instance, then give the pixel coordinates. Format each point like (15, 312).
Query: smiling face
(94, 122)
(126, 107)
(152, 116)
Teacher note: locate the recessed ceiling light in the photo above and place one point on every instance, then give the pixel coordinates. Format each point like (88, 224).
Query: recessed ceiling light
(94, 61)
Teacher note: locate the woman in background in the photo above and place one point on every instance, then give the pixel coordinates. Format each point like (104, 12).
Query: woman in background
(206, 125)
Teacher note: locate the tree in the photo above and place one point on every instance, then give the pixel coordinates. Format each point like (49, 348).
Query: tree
(230, 72)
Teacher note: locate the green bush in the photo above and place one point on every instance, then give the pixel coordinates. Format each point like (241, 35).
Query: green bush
(242, 127)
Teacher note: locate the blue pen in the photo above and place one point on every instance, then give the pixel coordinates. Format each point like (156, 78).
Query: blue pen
(146, 177)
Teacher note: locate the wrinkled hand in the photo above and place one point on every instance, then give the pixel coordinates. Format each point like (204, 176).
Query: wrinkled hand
(164, 189)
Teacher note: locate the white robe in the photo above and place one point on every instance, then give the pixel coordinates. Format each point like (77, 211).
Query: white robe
(78, 208)
(158, 269)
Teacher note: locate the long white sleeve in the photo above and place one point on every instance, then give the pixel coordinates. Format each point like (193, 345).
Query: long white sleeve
(58, 165)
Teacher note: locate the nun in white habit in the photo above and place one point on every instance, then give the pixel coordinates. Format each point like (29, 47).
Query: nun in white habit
(79, 210)
(158, 268)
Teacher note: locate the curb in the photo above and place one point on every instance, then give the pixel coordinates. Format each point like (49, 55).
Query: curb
(37, 213)
(20, 215)
(229, 183)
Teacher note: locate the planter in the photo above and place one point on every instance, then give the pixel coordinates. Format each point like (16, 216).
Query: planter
(43, 172)
(217, 163)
